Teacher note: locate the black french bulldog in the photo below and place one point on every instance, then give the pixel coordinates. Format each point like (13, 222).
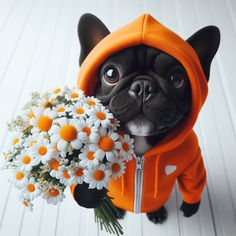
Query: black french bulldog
(147, 90)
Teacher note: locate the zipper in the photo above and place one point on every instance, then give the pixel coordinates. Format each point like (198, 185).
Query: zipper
(139, 161)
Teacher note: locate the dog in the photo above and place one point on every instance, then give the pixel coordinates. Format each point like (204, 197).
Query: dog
(149, 90)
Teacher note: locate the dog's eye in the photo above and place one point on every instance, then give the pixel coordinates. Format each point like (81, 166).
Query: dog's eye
(177, 79)
(111, 76)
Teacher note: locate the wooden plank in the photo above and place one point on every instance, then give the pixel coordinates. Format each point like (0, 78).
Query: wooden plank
(12, 33)
(6, 8)
(220, 143)
(126, 11)
(13, 80)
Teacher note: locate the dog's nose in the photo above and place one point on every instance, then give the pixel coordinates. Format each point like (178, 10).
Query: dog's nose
(143, 88)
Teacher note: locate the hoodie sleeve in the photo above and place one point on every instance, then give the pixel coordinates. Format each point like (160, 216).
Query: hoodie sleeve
(193, 179)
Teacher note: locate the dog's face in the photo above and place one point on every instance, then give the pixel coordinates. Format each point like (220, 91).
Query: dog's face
(145, 88)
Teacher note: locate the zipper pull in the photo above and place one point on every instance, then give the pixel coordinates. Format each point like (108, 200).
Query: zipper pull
(139, 163)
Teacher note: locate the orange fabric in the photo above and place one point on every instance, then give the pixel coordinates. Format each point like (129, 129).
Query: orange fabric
(179, 149)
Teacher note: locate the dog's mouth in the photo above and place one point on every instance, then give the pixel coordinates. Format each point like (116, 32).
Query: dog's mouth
(140, 125)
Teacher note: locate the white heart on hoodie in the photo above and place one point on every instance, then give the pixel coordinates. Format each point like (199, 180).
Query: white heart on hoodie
(169, 169)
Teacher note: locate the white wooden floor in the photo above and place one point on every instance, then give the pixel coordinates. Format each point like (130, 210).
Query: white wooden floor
(39, 49)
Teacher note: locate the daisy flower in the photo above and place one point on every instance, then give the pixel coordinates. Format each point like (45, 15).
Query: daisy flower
(46, 101)
(114, 124)
(97, 176)
(64, 175)
(92, 101)
(100, 116)
(20, 178)
(31, 140)
(43, 151)
(107, 145)
(16, 139)
(25, 161)
(74, 95)
(59, 91)
(77, 171)
(61, 109)
(30, 189)
(28, 204)
(53, 195)
(54, 164)
(117, 167)
(88, 158)
(88, 128)
(127, 147)
(65, 133)
(79, 109)
(28, 114)
(43, 120)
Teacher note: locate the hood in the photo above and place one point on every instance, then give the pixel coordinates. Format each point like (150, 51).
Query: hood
(148, 31)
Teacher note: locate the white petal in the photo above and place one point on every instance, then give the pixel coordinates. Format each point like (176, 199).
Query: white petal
(76, 144)
(82, 136)
(117, 145)
(62, 145)
(94, 138)
(99, 154)
(62, 121)
(110, 156)
(93, 147)
(55, 129)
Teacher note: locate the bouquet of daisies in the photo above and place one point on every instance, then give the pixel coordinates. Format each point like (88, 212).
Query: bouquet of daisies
(61, 138)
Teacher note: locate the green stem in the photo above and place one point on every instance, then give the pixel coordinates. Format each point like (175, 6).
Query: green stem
(105, 216)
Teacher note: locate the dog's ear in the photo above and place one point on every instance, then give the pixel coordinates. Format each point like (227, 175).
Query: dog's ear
(91, 30)
(205, 42)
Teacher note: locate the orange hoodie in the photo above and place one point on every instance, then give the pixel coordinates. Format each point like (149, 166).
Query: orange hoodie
(148, 181)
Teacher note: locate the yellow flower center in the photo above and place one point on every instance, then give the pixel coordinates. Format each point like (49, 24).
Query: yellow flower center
(87, 130)
(31, 187)
(54, 164)
(90, 155)
(106, 143)
(26, 160)
(79, 111)
(91, 103)
(79, 172)
(61, 109)
(15, 141)
(125, 146)
(101, 115)
(42, 150)
(53, 192)
(19, 175)
(25, 202)
(48, 105)
(74, 95)
(32, 143)
(31, 115)
(44, 123)
(57, 90)
(98, 175)
(113, 121)
(66, 175)
(115, 167)
(68, 133)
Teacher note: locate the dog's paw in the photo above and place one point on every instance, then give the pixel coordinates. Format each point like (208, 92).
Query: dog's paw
(158, 216)
(120, 213)
(189, 209)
